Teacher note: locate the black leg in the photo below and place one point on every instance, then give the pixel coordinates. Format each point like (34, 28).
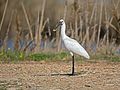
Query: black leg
(73, 65)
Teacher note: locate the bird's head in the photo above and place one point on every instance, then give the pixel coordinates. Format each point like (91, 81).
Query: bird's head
(60, 23)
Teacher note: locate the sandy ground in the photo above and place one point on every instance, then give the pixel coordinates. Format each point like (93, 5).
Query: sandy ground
(100, 75)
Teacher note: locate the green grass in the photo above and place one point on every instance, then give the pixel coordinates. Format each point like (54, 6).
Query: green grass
(113, 58)
(11, 56)
(65, 55)
(48, 56)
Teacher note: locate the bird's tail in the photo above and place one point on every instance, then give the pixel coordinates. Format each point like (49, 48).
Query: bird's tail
(86, 55)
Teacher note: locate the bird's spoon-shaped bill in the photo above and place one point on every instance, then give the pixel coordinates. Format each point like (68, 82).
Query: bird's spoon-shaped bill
(58, 24)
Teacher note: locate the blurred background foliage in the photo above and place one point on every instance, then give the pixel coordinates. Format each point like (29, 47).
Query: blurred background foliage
(27, 25)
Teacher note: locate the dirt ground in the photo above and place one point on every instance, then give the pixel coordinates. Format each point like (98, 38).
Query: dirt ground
(100, 75)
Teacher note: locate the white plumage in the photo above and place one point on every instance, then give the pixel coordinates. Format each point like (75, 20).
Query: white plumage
(72, 45)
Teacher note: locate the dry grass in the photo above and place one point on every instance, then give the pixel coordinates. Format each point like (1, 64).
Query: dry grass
(84, 19)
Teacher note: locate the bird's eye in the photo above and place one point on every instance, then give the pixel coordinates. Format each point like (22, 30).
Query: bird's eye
(61, 23)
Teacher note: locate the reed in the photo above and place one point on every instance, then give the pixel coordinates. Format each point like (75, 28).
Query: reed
(8, 30)
(3, 16)
(38, 41)
(27, 20)
(91, 22)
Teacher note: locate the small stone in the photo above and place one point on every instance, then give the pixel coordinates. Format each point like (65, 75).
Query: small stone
(87, 86)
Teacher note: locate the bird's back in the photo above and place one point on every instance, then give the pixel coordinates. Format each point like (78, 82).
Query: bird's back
(73, 46)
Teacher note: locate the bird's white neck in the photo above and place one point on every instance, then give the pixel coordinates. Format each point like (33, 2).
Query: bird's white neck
(63, 27)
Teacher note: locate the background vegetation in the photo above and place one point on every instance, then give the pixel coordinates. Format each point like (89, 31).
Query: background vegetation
(26, 27)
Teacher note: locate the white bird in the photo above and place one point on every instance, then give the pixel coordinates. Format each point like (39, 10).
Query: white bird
(72, 45)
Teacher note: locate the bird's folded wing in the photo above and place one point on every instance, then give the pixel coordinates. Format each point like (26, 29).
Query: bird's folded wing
(73, 46)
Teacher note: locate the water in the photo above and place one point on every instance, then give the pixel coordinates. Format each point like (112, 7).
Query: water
(23, 43)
